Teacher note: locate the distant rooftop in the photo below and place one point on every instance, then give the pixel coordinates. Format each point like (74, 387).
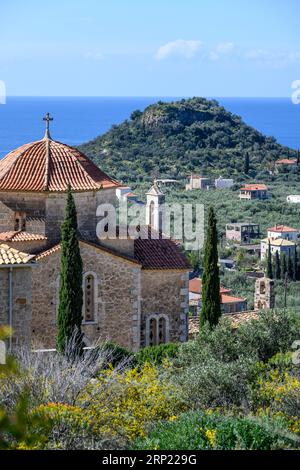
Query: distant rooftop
(282, 229)
(255, 187)
(278, 242)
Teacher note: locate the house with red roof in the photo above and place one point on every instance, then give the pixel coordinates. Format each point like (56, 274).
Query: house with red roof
(253, 191)
(135, 290)
(229, 303)
(283, 231)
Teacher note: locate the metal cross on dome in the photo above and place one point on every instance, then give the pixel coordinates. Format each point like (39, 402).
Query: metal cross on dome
(47, 118)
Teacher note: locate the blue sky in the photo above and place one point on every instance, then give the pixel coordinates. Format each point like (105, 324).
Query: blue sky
(150, 48)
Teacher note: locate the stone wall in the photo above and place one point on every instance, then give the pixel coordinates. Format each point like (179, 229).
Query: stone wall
(86, 205)
(22, 303)
(7, 218)
(165, 292)
(116, 299)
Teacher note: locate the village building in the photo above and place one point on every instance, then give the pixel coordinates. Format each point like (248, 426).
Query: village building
(125, 194)
(283, 231)
(264, 299)
(285, 163)
(223, 183)
(135, 290)
(253, 191)
(229, 302)
(242, 232)
(293, 198)
(198, 182)
(279, 245)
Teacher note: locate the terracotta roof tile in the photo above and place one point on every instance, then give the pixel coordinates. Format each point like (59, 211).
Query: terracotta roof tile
(10, 255)
(195, 286)
(254, 187)
(159, 253)
(282, 228)
(286, 161)
(47, 165)
(20, 236)
(230, 299)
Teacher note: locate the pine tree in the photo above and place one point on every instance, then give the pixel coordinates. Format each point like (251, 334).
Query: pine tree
(70, 293)
(246, 164)
(277, 268)
(269, 263)
(211, 302)
(283, 266)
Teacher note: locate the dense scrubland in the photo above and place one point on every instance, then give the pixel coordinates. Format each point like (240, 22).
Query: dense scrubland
(221, 390)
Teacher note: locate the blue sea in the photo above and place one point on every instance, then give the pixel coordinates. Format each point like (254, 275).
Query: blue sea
(80, 119)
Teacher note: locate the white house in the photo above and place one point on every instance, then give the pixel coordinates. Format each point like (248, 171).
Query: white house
(294, 198)
(198, 182)
(223, 183)
(283, 231)
(276, 244)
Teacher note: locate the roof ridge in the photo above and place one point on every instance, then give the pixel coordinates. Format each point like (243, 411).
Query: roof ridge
(47, 163)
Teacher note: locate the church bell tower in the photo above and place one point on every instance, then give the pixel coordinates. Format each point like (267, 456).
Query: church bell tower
(155, 208)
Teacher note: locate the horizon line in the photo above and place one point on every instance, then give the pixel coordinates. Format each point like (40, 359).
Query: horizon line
(149, 96)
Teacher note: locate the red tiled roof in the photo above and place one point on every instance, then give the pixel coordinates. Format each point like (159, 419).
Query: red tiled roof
(230, 299)
(282, 228)
(160, 252)
(10, 255)
(195, 286)
(20, 236)
(48, 252)
(47, 165)
(254, 187)
(286, 161)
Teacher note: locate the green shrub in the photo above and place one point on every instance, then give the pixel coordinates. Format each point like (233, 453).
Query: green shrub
(219, 366)
(116, 354)
(209, 431)
(156, 354)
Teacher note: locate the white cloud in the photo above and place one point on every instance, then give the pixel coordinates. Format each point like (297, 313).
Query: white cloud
(223, 48)
(179, 48)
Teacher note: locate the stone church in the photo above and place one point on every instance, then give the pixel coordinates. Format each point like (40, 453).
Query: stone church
(135, 291)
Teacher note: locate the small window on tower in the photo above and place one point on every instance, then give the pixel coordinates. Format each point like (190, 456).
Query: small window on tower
(89, 298)
(20, 221)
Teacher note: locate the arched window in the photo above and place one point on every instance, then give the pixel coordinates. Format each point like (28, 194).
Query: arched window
(157, 330)
(152, 213)
(89, 298)
(162, 330)
(262, 289)
(152, 332)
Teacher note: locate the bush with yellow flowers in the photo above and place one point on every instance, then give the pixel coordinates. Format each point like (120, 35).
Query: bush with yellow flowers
(123, 404)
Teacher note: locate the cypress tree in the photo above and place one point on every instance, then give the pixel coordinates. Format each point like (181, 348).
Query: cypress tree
(269, 263)
(246, 164)
(283, 266)
(290, 267)
(296, 267)
(277, 266)
(211, 302)
(70, 293)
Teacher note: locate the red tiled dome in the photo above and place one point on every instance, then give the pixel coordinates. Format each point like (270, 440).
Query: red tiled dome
(48, 165)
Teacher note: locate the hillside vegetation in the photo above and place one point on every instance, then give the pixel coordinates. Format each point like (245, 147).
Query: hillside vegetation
(173, 139)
